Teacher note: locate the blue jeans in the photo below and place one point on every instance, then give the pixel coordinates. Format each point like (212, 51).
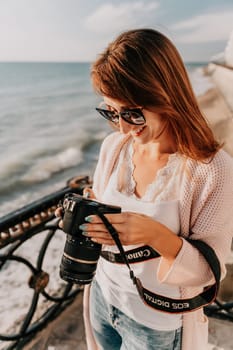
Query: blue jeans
(113, 330)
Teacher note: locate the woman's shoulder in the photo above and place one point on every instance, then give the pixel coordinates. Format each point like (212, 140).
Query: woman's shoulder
(115, 136)
(114, 140)
(220, 167)
(222, 161)
(211, 180)
(223, 156)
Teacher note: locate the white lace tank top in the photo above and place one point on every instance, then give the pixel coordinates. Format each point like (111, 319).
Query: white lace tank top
(161, 202)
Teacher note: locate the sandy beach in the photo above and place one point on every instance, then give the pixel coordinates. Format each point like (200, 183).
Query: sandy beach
(220, 117)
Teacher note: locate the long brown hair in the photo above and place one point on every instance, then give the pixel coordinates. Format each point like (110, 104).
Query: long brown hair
(142, 67)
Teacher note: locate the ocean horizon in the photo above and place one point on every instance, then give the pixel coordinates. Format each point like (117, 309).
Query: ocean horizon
(48, 126)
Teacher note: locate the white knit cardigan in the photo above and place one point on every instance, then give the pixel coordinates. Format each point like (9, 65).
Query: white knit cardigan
(206, 206)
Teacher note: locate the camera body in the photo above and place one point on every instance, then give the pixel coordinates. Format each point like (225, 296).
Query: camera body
(81, 254)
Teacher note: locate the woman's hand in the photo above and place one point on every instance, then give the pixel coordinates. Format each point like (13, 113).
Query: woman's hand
(59, 213)
(132, 228)
(87, 193)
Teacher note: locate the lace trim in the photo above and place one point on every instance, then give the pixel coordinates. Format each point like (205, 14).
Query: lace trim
(165, 184)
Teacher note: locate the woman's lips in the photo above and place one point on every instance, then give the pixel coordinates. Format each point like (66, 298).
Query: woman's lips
(139, 131)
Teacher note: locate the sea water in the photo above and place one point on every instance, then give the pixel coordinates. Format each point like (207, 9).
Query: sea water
(49, 129)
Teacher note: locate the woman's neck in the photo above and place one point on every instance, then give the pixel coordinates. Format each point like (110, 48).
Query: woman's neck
(154, 150)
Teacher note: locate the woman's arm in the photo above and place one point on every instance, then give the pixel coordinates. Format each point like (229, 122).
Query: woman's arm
(211, 220)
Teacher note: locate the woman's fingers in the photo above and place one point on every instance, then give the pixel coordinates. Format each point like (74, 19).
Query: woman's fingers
(59, 213)
(97, 231)
(129, 226)
(102, 239)
(112, 218)
(88, 193)
(60, 224)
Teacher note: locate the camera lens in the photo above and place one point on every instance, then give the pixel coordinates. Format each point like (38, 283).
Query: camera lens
(80, 256)
(79, 260)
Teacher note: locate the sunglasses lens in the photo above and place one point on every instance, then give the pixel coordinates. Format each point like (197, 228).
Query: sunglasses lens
(109, 115)
(133, 117)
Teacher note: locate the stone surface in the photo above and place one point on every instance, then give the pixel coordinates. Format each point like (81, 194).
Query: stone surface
(64, 333)
(220, 334)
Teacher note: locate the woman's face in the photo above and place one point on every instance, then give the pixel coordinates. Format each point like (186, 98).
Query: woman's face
(154, 129)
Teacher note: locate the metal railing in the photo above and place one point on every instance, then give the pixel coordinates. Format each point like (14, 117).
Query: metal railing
(16, 229)
(221, 310)
(22, 225)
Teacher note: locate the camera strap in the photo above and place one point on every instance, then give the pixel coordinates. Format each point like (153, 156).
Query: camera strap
(166, 304)
(135, 255)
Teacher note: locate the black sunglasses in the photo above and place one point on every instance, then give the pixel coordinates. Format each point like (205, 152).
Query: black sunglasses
(132, 115)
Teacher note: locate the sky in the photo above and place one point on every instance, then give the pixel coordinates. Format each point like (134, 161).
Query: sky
(77, 30)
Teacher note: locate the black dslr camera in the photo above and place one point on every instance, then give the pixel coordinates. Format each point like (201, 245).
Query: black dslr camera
(80, 257)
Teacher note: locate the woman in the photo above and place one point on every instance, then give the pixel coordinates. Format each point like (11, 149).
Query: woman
(166, 171)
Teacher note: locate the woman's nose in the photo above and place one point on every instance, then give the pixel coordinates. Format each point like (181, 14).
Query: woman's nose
(124, 126)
